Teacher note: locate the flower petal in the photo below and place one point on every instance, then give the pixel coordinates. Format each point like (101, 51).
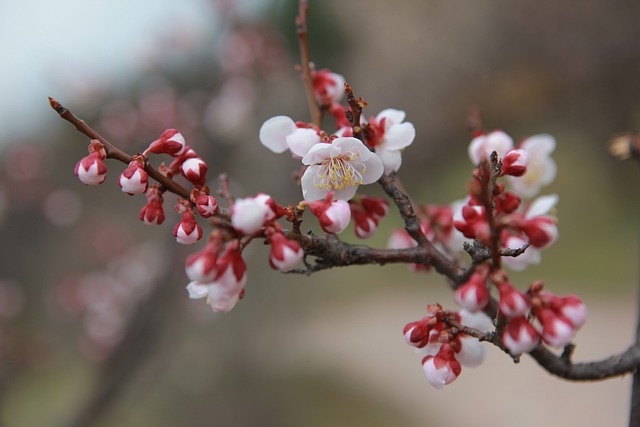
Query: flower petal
(390, 159)
(274, 131)
(301, 141)
(391, 115)
(399, 136)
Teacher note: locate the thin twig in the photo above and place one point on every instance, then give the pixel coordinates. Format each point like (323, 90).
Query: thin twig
(305, 62)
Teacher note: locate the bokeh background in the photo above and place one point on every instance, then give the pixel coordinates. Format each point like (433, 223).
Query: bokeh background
(96, 328)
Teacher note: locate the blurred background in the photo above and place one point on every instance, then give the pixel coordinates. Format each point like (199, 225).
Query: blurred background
(96, 328)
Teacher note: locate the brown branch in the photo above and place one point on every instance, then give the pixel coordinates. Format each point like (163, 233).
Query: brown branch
(115, 153)
(305, 60)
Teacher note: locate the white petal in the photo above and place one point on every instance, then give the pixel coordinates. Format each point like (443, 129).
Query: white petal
(542, 205)
(309, 190)
(472, 353)
(542, 144)
(274, 131)
(392, 160)
(301, 141)
(197, 291)
(399, 136)
(374, 165)
(391, 115)
(317, 154)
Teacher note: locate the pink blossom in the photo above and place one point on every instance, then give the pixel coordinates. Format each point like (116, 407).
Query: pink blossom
(520, 336)
(339, 167)
(134, 179)
(187, 231)
(541, 168)
(195, 169)
(443, 368)
(333, 215)
(388, 135)
(91, 170)
(483, 145)
(285, 254)
(170, 142)
(153, 212)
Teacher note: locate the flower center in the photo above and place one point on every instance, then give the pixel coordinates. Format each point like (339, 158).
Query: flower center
(338, 173)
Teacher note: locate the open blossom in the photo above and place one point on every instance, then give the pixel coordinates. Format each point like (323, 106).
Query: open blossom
(339, 167)
(483, 145)
(541, 168)
(170, 142)
(134, 179)
(388, 134)
(328, 87)
(249, 215)
(281, 133)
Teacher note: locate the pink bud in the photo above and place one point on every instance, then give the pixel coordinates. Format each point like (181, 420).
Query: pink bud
(201, 266)
(134, 179)
(206, 205)
(231, 271)
(365, 226)
(441, 369)
(170, 142)
(557, 331)
(520, 336)
(573, 309)
(417, 334)
(374, 206)
(333, 215)
(515, 163)
(541, 231)
(187, 231)
(250, 214)
(91, 170)
(513, 303)
(285, 254)
(152, 212)
(473, 295)
(195, 170)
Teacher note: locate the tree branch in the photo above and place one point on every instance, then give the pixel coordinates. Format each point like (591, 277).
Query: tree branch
(305, 62)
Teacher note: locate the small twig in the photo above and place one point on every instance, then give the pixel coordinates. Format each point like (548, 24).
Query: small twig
(115, 153)
(355, 112)
(224, 189)
(305, 60)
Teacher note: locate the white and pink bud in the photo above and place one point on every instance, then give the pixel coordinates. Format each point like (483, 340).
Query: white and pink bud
(91, 170)
(542, 231)
(285, 254)
(328, 87)
(515, 163)
(364, 225)
(231, 270)
(483, 145)
(541, 168)
(520, 336)
(557, 330)
(443, 368)
(187, 231)
(333, 215)
(171, 142)
(153, 212)
(473, 223)
(570, 307)
(134, 179)
(201, 266)
(206, 205)
(195, 170)
(473, 295)
(375, 206)
(513, 303)
(417, 334)
(250, 214)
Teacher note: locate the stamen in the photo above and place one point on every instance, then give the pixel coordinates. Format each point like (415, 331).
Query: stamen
(338, 173)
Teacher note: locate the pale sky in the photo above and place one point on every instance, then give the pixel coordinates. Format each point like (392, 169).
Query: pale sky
(49, 45)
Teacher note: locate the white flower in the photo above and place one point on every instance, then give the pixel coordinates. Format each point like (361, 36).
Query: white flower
(482, 146)
(340, 167)
(389, 136)
(541, 169)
